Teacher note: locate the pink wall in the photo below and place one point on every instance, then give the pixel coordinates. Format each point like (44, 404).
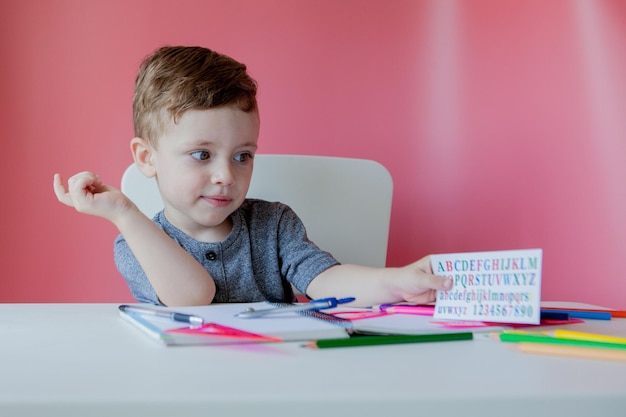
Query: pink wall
(502, 122)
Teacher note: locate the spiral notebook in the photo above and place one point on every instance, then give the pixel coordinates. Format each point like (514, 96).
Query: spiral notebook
(222, 327)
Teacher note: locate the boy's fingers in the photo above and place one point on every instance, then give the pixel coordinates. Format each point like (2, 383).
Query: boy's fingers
(59, 190)
(447, 283)
(82, 184)
(439, 283)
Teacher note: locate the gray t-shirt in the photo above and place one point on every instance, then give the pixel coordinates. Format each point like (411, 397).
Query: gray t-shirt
(266, 250)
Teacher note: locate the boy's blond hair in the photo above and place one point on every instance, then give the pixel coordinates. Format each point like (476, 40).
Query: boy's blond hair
(175, 79)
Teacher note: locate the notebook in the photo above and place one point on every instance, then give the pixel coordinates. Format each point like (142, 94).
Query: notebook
(223, 327)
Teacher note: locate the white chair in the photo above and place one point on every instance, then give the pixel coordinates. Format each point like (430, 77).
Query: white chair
(344, 203)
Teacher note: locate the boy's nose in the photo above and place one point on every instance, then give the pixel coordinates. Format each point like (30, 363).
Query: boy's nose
(222, 174)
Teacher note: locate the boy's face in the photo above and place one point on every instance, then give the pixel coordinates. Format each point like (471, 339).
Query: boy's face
(203, 166)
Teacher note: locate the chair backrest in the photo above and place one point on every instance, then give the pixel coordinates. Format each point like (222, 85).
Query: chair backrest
(344, 203)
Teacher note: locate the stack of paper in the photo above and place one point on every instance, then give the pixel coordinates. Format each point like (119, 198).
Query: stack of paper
(223, 327)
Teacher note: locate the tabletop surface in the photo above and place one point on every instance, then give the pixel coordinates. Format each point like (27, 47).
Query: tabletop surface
(83, 359)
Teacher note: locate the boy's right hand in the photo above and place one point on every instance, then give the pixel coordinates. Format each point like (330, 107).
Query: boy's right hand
(87, 194)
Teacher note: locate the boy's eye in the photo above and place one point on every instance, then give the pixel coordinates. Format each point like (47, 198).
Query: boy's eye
(200, 155)
(243, 157)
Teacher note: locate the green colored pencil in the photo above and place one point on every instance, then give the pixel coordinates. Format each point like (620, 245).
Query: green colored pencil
(539, 338)
(388, 340)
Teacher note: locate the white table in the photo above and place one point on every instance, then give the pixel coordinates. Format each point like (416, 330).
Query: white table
(84, 360)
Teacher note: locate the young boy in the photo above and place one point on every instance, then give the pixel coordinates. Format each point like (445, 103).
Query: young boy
(196, 125)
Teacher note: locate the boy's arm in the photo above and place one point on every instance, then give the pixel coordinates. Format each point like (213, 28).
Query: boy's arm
(414, 283)
(175, 275)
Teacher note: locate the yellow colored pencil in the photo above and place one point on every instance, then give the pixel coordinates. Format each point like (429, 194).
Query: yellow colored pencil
(573, 351)
(592, 337)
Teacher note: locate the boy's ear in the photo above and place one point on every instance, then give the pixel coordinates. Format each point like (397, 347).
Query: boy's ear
(143, 154)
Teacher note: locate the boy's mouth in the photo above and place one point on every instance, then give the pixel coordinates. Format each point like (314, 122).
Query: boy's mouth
(217, 200)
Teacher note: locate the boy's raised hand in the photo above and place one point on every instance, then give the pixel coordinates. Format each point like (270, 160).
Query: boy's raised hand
(87, 194)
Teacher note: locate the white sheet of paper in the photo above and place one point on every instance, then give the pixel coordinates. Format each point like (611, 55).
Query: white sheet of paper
(287, 326)
(498, 286)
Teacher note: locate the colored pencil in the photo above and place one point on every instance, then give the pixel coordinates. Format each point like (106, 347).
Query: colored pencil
(569, 334)
(581, 314)
(572, 351)
(517, 337)
(407, 309)
(553, 315)
(619, 314)
(388, 340)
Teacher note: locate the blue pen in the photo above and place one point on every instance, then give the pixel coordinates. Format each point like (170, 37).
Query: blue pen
(313, 305)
